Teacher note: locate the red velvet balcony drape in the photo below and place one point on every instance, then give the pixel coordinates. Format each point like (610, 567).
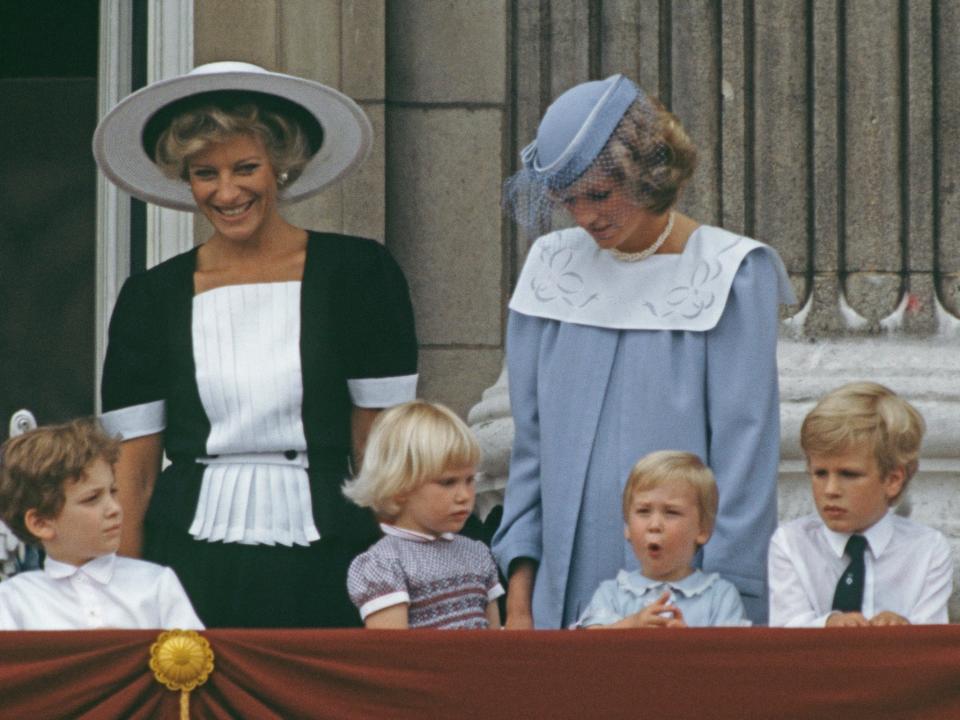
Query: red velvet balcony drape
(889, 673)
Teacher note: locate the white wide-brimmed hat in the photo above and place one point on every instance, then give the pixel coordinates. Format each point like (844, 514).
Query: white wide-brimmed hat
(339, 131)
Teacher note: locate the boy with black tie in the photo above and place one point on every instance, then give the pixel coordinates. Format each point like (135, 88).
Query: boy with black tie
(857, 563)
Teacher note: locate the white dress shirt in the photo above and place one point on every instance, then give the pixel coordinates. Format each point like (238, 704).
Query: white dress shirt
(908, 571)
(107, 592)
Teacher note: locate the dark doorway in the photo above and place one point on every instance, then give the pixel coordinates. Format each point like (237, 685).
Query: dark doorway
(48, 111)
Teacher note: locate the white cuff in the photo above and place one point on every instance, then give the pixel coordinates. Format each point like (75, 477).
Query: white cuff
(382, 392)
(384, 601)
(495, 592)
(137, 420)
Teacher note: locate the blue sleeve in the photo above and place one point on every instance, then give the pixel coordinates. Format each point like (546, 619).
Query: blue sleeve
(520, 531)
(604, 607)
(743, 411)
(727, 610)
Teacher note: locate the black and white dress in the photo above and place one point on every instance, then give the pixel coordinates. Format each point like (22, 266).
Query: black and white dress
(252, 387)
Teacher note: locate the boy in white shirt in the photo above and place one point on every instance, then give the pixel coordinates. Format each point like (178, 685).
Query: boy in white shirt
(857, 563)
(57, 489)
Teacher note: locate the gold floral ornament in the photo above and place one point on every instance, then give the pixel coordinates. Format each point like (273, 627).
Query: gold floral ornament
(182, 660)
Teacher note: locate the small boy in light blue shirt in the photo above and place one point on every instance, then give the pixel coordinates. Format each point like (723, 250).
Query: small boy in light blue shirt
(669, 507)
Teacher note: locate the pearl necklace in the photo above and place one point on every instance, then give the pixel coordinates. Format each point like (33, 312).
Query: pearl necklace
(644, 254)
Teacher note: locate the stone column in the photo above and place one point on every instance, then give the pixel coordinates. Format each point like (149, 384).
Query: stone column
(446, 129)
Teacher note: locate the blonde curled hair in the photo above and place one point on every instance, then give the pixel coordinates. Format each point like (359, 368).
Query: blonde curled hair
(197, 128)
(409, 445)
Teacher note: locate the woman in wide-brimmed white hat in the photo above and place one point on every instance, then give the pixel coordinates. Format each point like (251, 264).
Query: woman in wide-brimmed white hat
(256, 360)
(634, 328)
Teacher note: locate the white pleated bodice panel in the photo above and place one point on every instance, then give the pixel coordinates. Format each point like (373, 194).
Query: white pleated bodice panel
(246, 347)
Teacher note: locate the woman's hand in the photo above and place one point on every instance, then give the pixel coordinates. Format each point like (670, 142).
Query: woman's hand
(520, 595)
(136, 472)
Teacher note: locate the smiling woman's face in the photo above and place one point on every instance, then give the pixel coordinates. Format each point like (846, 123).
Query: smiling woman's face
(234, 186)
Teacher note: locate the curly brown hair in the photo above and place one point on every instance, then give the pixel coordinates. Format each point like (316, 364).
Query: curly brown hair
(35, 467)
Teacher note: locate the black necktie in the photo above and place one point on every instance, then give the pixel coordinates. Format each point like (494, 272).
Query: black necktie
(848, 596)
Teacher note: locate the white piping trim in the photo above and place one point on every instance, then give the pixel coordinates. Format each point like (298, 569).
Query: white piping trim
(383, 392)
(383, 602)
(137, 420)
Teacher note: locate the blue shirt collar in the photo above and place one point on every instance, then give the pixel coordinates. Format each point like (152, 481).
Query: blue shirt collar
(693, 584)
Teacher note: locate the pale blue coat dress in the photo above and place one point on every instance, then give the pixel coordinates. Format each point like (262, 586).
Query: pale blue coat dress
(609, 361)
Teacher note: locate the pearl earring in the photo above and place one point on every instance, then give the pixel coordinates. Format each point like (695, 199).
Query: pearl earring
(282, 178)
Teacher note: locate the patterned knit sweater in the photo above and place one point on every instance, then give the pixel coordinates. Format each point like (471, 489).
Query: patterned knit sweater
(448, 581)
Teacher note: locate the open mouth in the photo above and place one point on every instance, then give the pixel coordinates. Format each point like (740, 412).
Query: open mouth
(234, 211)
(654, 548)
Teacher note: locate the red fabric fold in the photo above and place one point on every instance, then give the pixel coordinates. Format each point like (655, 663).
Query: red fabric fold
(900, 672)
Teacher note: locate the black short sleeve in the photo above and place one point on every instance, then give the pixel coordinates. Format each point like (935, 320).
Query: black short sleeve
(378, 322)
(133, 371)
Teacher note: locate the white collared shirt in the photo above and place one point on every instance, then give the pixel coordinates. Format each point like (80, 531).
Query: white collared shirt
(908, 571)
(107, 592)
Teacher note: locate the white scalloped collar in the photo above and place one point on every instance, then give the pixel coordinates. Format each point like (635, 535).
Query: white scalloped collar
(567, 277)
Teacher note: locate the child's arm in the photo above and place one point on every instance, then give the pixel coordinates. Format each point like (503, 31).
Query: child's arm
(659, 613)
(395, 617)
(790, 604)
(493, 615)
(931, 604)
(175, 607)
(7, 619)
(728, 610)
(378, 588)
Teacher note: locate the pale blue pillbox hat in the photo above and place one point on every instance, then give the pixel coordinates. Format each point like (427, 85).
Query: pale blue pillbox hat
(575, 128)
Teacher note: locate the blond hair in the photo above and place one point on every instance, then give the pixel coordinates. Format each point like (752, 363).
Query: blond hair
(667, 466)
(35, 467)
(409, 445)
(866, 414)
(194, 130)
(650, 154)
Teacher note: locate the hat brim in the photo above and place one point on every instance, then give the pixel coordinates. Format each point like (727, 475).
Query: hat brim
(118, 139)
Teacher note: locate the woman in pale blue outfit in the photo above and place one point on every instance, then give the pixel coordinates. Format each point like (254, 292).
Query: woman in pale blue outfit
(637, 330)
